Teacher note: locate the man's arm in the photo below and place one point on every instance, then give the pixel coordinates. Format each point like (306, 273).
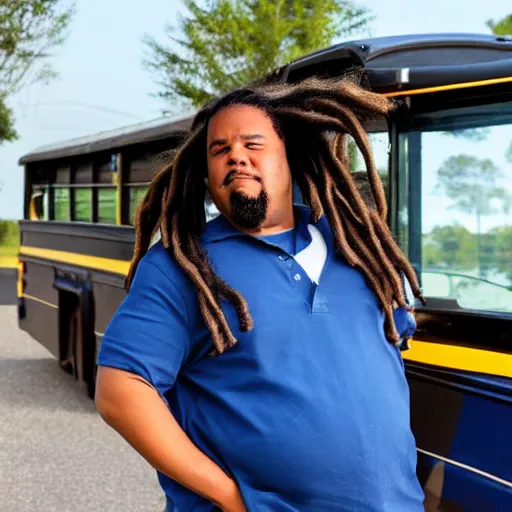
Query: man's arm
(132, 407)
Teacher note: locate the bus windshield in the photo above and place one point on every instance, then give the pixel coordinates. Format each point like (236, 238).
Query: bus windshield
(455, 198)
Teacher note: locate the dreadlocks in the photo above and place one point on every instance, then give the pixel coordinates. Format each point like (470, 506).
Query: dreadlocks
(314, 118)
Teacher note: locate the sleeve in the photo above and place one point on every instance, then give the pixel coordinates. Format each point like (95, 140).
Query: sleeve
(404, 320)
(149, 333)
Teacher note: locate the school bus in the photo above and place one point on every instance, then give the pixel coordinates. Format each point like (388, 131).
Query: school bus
(445, 155)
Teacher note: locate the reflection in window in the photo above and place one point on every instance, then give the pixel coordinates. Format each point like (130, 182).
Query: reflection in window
(466, 199)
(61, 204)
(137, 194)
(107, 205)
(83, 204)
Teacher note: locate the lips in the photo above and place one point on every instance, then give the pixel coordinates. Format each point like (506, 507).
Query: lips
(236, 174)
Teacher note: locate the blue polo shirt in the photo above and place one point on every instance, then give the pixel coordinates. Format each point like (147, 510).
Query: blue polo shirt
(310, 410)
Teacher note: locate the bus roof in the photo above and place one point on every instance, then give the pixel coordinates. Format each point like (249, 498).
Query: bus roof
(410, 61)
(395, 63)
(156, 129)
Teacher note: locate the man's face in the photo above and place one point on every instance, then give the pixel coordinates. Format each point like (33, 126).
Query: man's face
(248, 174)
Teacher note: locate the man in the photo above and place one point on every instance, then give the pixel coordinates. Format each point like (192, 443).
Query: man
(255, 362)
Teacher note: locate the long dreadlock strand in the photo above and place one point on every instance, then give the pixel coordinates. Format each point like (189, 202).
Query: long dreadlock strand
(394, 250)
(225, 338)
(344, 92)
(329, 123)
(163, 221)
(340, 236)
(220, 289)
(334, 123)
(376, 244)
(365, 147)
(337, 226)
(146, 220)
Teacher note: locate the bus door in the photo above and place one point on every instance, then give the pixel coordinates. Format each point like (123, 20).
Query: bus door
(453, 218)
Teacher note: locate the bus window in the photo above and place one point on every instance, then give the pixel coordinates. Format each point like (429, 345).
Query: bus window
(61, 204)
(463, 175)
(107, 204)
(137, 194)
(83, 205)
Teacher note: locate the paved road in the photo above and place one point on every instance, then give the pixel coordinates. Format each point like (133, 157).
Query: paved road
(56, 454)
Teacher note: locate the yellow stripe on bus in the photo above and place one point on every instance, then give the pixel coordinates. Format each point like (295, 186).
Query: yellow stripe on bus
(82, 260)
(460, 358)
(440, 88)
(41, 301)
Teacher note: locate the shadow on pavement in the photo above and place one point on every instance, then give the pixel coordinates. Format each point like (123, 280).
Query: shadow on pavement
(40, 383)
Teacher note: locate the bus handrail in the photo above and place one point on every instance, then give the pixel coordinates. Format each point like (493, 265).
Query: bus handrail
(450, 273)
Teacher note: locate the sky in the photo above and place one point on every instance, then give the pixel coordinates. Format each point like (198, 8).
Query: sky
(102, 85)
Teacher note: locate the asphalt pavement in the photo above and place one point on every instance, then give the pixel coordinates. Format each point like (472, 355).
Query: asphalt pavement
(56, 453)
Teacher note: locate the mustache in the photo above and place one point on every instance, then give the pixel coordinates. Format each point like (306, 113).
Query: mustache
(231, 175)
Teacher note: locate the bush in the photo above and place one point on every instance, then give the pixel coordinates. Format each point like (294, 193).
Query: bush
(9, 237)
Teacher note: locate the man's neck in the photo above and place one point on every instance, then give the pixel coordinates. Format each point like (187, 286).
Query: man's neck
(270, 227)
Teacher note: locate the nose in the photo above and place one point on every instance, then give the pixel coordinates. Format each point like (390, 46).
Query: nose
(237, 156)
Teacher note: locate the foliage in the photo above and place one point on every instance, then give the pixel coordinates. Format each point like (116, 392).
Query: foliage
(471, 184)
(228, 43)
(498, 242)
(7, 131)
(501, 27)
(9, 233)
(451, 246)
(29, 30)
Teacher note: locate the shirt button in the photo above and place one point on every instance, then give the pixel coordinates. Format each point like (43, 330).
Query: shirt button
(282, 257)
(297, 277)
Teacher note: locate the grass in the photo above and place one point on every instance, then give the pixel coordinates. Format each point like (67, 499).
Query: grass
(9, 256)
(9, 244)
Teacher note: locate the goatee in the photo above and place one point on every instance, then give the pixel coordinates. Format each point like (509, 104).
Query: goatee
(248, 212)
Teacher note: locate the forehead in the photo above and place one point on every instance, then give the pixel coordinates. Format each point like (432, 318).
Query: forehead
(240, 119)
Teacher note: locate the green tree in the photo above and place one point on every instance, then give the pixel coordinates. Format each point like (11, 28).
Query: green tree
(228, 43)
(454, 247)
(501, 238)
(29, 30)
(501, 27)
(471, 184)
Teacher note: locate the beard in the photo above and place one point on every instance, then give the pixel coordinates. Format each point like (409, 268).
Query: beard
(248, 212)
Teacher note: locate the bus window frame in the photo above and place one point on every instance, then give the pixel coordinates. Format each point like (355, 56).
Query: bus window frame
(405, 192)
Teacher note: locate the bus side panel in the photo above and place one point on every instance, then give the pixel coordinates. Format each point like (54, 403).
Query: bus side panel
(464, 448)
(107, 298)
(41, 300)
(38, 282)
(108, 292)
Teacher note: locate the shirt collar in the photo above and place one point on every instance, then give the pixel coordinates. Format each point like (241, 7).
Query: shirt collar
(220, 228)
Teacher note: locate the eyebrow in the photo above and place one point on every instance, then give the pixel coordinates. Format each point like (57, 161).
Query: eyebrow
(221, 142)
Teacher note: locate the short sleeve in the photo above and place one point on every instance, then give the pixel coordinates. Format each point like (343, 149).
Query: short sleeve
(149, 334)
